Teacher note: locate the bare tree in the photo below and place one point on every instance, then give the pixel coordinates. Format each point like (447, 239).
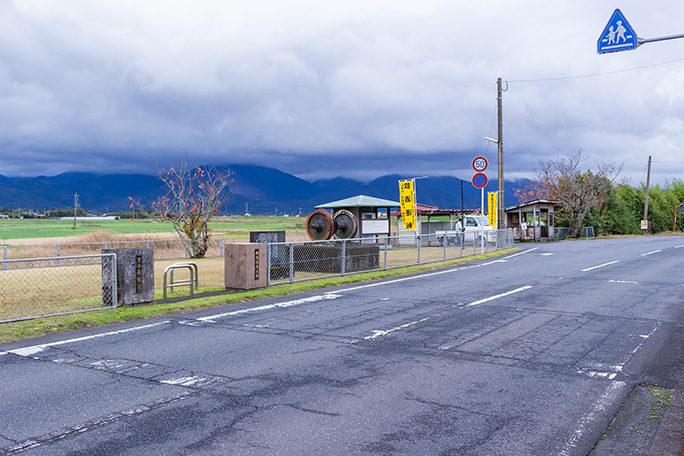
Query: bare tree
(194, 197)
(576, 192)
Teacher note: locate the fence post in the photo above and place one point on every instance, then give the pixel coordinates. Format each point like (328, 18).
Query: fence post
(386, 247)
(268, 265)
(59, 262)
(5, 256)
(221, 249)
(291, 262)
(344, 256)
(417, 244)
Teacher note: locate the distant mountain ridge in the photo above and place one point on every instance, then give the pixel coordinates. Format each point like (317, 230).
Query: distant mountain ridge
(259, 189)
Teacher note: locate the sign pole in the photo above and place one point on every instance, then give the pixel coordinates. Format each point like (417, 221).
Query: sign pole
(482, 201)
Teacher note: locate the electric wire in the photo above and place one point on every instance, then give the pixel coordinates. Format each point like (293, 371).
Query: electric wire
(625, 70)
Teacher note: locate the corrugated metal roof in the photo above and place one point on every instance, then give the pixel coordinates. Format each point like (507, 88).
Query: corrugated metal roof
(359, 201)
(531, 203)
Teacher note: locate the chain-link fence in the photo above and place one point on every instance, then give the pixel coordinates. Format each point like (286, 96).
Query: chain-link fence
(53, 285)
(163, 249)
(36, 287)
(298, 261)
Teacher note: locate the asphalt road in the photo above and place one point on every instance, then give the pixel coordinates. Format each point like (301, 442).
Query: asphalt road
(528, 354)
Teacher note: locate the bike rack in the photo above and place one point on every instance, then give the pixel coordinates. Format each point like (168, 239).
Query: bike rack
(193, 282)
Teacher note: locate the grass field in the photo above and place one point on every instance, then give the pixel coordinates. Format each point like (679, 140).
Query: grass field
(12, 229)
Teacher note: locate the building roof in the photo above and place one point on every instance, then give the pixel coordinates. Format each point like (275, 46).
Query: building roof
(359, 201)
(531, 203)
(434, 211)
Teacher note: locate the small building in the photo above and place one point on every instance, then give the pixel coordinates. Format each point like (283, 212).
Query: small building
(533, 220)
(372, 214)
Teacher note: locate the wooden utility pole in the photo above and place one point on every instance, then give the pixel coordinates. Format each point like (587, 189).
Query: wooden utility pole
(648, 187)
(500, 200)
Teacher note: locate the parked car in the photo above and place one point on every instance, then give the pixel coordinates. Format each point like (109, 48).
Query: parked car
(476, 229)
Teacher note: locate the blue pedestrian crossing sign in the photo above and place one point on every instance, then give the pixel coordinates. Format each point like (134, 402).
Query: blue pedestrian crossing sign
(617, 36)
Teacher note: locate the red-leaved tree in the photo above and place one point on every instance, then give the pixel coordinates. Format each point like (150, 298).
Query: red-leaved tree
(194, 196)
(574, 191)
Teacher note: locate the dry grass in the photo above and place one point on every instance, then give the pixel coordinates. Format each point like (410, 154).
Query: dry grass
(37, 291)
(47, 290)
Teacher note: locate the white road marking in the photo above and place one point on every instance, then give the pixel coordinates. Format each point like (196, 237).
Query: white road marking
(679, 246)
(608, 396)
(28, 351)
(631, 282)
(379, 333)
(596, 374)
(491, 298)
(651, 253)
(279, 305)
(183, 381)
(600, 265)
(546, 254)
(445, 271)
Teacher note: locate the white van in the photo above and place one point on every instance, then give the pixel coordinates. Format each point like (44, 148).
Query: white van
(475, 229)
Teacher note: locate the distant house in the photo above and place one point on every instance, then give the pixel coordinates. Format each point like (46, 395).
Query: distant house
(108, 217)
(3, 216)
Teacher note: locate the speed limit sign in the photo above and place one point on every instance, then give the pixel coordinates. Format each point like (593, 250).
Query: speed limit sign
(480, 164)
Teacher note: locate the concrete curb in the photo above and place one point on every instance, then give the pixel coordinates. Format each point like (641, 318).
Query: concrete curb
(670, 437)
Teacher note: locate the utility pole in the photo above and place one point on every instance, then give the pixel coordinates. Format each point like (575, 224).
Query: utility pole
(648, 187)
(75, 209)
(500, 200)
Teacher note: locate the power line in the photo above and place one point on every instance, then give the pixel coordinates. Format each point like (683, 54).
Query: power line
(563, 78)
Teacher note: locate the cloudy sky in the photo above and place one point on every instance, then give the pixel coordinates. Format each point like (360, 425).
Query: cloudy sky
(319, 89)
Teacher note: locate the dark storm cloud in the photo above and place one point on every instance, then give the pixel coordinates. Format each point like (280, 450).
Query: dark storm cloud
(355, 89)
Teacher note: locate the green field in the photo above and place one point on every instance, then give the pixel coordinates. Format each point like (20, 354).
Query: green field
(221, 226)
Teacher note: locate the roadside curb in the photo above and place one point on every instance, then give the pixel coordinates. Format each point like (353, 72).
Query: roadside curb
(670, 437)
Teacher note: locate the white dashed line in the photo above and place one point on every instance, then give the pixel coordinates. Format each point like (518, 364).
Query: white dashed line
(491, 298)
(651, 253)
(600, 265)
(379, 333)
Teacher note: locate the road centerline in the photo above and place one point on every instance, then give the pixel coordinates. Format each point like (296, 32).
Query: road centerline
(492, 298)
(651, 253)
(600, 266)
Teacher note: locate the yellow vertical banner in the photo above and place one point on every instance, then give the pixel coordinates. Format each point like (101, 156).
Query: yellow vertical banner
(407, 199)
(492, 200)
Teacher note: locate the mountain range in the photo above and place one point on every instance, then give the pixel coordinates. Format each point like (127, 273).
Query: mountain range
(256, 189)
